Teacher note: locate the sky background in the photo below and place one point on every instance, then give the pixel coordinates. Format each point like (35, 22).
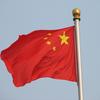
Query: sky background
(23, 16)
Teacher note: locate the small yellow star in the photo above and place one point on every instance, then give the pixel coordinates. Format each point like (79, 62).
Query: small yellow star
(49, 34)
(64, 38)
(48, 42)
(45, 38)
(54, 48)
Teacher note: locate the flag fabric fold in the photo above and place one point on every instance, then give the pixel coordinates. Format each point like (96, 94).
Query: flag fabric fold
(42, 53)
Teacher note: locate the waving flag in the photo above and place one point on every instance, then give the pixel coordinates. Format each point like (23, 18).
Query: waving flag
(42, 53)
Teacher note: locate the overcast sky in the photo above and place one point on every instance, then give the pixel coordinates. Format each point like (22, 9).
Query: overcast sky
(23, 16)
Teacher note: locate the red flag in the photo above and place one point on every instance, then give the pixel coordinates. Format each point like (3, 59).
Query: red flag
(42, 53)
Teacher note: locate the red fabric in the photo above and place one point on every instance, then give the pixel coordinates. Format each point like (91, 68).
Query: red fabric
(40, 54)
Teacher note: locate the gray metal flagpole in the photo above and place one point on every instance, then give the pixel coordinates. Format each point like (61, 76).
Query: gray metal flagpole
(76, 15)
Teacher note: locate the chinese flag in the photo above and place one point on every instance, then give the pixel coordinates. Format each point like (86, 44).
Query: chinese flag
(42, 53)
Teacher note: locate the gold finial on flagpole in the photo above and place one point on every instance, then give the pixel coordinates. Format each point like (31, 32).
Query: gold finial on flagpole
(76, 13)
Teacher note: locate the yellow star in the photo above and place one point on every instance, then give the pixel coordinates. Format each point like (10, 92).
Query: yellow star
(54, 48)
(48, 42)
(64, 38)
(45, 38)
(49, 34)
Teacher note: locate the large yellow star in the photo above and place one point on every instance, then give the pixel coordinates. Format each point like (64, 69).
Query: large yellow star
(64, 38)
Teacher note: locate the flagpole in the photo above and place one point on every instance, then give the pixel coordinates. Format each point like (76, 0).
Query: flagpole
(76, 15)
